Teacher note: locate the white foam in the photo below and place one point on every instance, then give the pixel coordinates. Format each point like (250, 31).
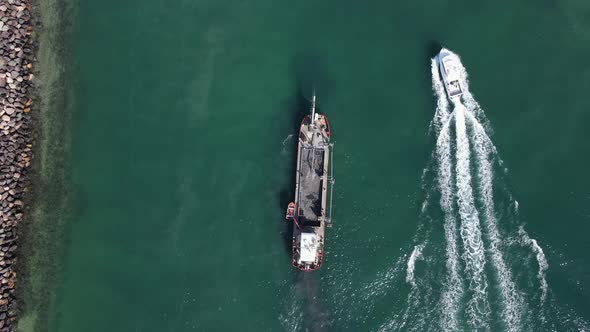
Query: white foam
(512, 302)
(453, 287)
(424, 206)
(478, 307)
(468, 100)
(416, 254)
(541, 260)
(285, 141)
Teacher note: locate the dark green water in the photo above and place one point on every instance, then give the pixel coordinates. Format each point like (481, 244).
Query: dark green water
(180, 118)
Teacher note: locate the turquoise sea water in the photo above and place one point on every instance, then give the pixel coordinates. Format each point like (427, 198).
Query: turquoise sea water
(181, 154)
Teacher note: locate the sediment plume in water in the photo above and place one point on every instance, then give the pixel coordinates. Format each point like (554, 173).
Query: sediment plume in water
(306, 312)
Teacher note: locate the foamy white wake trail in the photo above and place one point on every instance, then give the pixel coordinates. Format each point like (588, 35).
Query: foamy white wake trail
(478, 307)
(468, 100)
(416, 254)
(512, 302)
(452, 287)
(541, 260)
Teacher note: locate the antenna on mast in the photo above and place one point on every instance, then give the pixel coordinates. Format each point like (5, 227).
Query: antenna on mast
(313, 106)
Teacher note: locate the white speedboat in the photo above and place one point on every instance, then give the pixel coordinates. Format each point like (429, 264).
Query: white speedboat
(450, 70)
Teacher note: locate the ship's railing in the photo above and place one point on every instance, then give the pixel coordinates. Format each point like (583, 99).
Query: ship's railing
(331, 181)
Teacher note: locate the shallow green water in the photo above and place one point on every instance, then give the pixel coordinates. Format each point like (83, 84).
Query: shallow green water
(182, 160)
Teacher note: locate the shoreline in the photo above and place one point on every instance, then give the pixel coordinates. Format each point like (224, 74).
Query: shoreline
(47, 204)
(16, 87)
(34, 159)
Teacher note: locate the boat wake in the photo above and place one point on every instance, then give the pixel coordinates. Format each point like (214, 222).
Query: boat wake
(471, 265)
(286, 143)
(416, 254)
(488, 282)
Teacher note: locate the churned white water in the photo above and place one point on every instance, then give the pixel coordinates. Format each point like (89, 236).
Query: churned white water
(513, 306)
(541, 260)
(416, 254)
(477, 281)
(452, 286)
(478, 308)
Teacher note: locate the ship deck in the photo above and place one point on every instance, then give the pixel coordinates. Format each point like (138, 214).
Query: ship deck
(310, 185)
(313, 157)
(312, 178)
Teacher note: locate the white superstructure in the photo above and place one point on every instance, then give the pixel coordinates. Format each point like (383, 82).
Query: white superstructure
(450, 70)
(309, 245)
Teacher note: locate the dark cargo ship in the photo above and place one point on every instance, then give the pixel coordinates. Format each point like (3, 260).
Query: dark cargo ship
(311, 211)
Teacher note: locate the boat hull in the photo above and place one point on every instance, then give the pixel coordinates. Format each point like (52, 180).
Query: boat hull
(309, 210)
(449, 68)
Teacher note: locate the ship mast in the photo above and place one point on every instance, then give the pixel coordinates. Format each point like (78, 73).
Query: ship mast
(313, 126)
(313, 108)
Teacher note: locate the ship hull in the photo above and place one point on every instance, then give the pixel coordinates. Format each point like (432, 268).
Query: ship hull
(310, 211)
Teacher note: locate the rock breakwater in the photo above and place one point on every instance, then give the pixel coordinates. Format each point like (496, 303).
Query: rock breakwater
(16, 76)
